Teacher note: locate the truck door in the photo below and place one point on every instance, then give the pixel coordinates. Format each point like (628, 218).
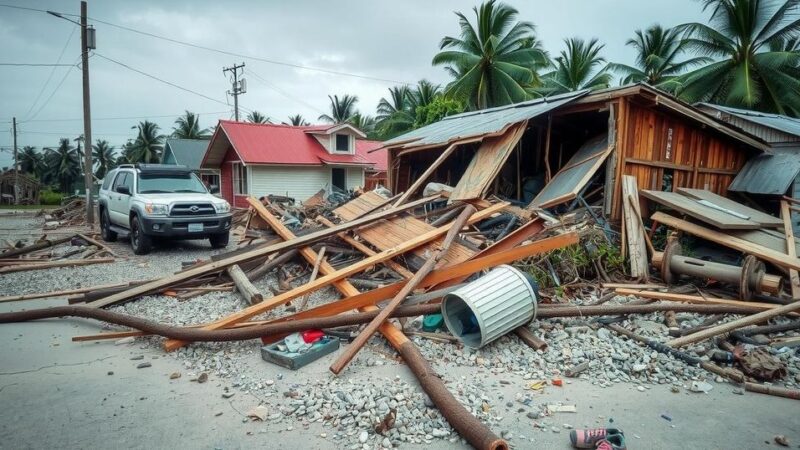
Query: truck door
(119, 199)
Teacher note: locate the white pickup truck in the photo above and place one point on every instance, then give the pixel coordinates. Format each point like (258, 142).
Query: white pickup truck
(156, 201)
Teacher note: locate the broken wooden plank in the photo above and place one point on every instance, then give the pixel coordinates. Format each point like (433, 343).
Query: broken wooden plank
(244, 286)
(775, 257)
(486, 164)
(320, 258)
(429, 265)
(326, 280)
(691, 207)
(637, 252)
(53, 264)
(38, 245)
(425, 175)
(217, 266)
(752, 214)
(794, 279)
(671, 296)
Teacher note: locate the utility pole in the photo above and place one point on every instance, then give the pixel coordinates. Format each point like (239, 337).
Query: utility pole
(16, 164)
(237, 87)
(87, 42)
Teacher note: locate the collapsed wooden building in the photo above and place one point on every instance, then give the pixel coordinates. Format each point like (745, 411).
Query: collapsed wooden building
(573, 149)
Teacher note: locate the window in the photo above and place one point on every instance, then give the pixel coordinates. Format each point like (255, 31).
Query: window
(107, 181)
(122, 180)
(169, 183)
(342, 143)
(239, 179)
(338, 178)
(210, 179)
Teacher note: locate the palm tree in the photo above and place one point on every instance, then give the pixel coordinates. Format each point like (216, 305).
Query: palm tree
(31, 161)
(657, 51)
(147, 146)
(423, 93)
(398, 113)
(257, 117)
(577, 68)
(363, 122)
(341, 110)
(104, 157)
(396, 104)
(188, 127)
(494, 62)
(297, 121)
(753, 69)
(63, 166)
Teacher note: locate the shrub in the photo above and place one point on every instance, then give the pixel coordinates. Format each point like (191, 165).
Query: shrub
(49, 197)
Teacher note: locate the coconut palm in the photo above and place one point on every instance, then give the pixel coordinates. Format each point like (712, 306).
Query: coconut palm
(341, 109)
(63, 165)
(397, 103)
(579, 66)
(657, 53)
(31, 161)
(423, 93)
(188, 127)
(753, 69)
(297, 120)
(363, 122)
(104, 158)
(147, 146)
(493, 62)
(257, 117)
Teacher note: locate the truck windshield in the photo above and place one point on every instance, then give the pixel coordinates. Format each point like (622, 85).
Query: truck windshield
(168, 183)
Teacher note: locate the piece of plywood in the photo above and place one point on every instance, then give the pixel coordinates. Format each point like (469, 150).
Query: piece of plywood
(770, 239)
(752, 214)
(486, 164)
(775, 257)
(571, 178)
(637, 252)
(691, 207)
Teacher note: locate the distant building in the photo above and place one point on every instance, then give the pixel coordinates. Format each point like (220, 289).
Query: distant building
(189, 153)
(297, 161)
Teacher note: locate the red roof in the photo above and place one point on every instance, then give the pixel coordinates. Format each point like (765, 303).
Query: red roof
(379, 157)
(284, 144)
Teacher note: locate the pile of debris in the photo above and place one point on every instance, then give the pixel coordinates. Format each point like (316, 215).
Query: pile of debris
(74, 250)
(73, 213)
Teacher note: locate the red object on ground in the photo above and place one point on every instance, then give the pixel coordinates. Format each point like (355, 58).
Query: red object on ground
(558, 382)
(310, 336)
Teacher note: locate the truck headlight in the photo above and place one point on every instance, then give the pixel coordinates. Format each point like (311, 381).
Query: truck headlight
(156, 209)
(222, 207)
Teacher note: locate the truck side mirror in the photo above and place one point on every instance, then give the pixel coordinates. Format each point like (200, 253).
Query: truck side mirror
(124, 190)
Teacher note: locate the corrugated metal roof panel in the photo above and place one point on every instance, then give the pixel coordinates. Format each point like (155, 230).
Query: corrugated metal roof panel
(768, 174)
(478, 123)
(786, 124)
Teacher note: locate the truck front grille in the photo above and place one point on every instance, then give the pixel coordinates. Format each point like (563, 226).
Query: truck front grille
(192, 209)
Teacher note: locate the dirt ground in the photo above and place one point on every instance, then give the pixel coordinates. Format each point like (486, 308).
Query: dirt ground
(58, 394)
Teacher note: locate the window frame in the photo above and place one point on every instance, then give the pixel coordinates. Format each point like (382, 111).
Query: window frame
(335, 146)
(239, 172)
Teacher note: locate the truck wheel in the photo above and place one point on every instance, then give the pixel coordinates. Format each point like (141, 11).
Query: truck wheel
(219, 240)
(105, 227)
(140, 242)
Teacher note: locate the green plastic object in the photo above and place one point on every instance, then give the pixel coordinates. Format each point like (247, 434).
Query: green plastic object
(432, 322)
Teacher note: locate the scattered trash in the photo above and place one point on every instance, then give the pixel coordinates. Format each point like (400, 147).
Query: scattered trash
(259, 412)
(782, 440)
(700, 386)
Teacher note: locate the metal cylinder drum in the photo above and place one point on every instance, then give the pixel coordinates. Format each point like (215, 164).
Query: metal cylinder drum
(490, 306)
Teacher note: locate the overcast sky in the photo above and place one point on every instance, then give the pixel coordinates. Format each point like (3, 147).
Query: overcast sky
(392, 41)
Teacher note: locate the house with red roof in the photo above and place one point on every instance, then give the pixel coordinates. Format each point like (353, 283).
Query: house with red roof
(297, 161)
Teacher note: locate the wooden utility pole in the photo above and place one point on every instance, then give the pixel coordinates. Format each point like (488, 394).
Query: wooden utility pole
(87, 114)
(237, 87)
(16, 164)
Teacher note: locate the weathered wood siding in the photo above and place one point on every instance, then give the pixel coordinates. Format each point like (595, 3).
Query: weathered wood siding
(654, 143)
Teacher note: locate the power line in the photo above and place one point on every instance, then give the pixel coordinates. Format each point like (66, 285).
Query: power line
(58, 87)
(24, 8)
(168, 83)
(50, 77)
(124, 118)
(36, 65)
(282, 92)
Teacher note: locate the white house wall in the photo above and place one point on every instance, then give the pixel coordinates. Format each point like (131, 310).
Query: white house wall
(297, 182)
(354, 177)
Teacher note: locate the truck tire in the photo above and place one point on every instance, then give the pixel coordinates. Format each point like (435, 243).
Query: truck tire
(219, 240)
(140, 242)
(105, 227)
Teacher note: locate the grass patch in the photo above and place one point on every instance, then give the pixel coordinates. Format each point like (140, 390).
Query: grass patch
(29, 207)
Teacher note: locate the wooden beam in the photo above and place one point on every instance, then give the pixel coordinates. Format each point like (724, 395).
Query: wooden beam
(734, 325)
(330, 278)
(216, 266)
(314, 272)
(794, 279)
(425, 175)
(547, 147)
(777, 258)
(38, 245)
(387, 311)
(51, 294)
(673, 297)
(50, 265)
(637, 252)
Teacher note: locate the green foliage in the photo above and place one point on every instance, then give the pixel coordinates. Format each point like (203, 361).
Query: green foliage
(579, 66)
(31, 161)
(63, 165)
(436, 110)
(188, 127)
(493, 62)
(755, 65)
(104, 158)
(296, 120)
(399, 113)
(342, 110)
(50, 197)
(147, 146)
(257, 117)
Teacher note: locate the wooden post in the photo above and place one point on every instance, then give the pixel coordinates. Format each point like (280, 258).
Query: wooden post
(637, 252)
(244, 286)
(320, 258)
(547, 148)
(426, 268)
(794, 279)
(425, 175)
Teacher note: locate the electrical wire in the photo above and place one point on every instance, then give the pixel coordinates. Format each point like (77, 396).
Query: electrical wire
(122, 118)
(58, 87)
(36, 65)
(282, 92)
(50, 77)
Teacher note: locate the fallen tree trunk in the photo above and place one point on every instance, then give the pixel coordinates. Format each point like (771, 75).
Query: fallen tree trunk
(244, 286)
